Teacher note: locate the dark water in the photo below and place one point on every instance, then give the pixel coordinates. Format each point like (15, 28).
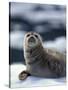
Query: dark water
(18, 21)
(16, 56)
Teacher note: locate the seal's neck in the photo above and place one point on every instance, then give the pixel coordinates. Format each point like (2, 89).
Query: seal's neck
(35, 55)
(34, 50)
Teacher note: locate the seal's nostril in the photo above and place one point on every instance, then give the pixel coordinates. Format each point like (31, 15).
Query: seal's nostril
(31, 39)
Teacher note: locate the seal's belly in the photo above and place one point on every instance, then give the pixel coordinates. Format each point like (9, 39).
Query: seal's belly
(39, 71)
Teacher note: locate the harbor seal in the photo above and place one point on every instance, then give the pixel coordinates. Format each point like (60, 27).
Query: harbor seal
(40, 61)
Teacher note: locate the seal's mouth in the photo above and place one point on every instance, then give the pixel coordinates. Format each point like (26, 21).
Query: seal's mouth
(31, 41)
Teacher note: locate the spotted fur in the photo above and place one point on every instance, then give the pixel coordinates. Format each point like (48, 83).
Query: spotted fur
(43, 62)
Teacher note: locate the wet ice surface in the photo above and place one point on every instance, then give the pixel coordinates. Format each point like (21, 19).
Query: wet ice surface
(31, 80)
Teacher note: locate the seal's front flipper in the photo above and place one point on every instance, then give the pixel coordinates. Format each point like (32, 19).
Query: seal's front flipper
(23, 75)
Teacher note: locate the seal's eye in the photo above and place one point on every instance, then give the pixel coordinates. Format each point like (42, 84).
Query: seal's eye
(28, 35)
(36, 36)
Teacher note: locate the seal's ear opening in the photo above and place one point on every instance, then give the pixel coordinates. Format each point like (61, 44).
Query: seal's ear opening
(40, 38)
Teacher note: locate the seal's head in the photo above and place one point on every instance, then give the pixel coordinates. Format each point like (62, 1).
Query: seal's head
(32, 39)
